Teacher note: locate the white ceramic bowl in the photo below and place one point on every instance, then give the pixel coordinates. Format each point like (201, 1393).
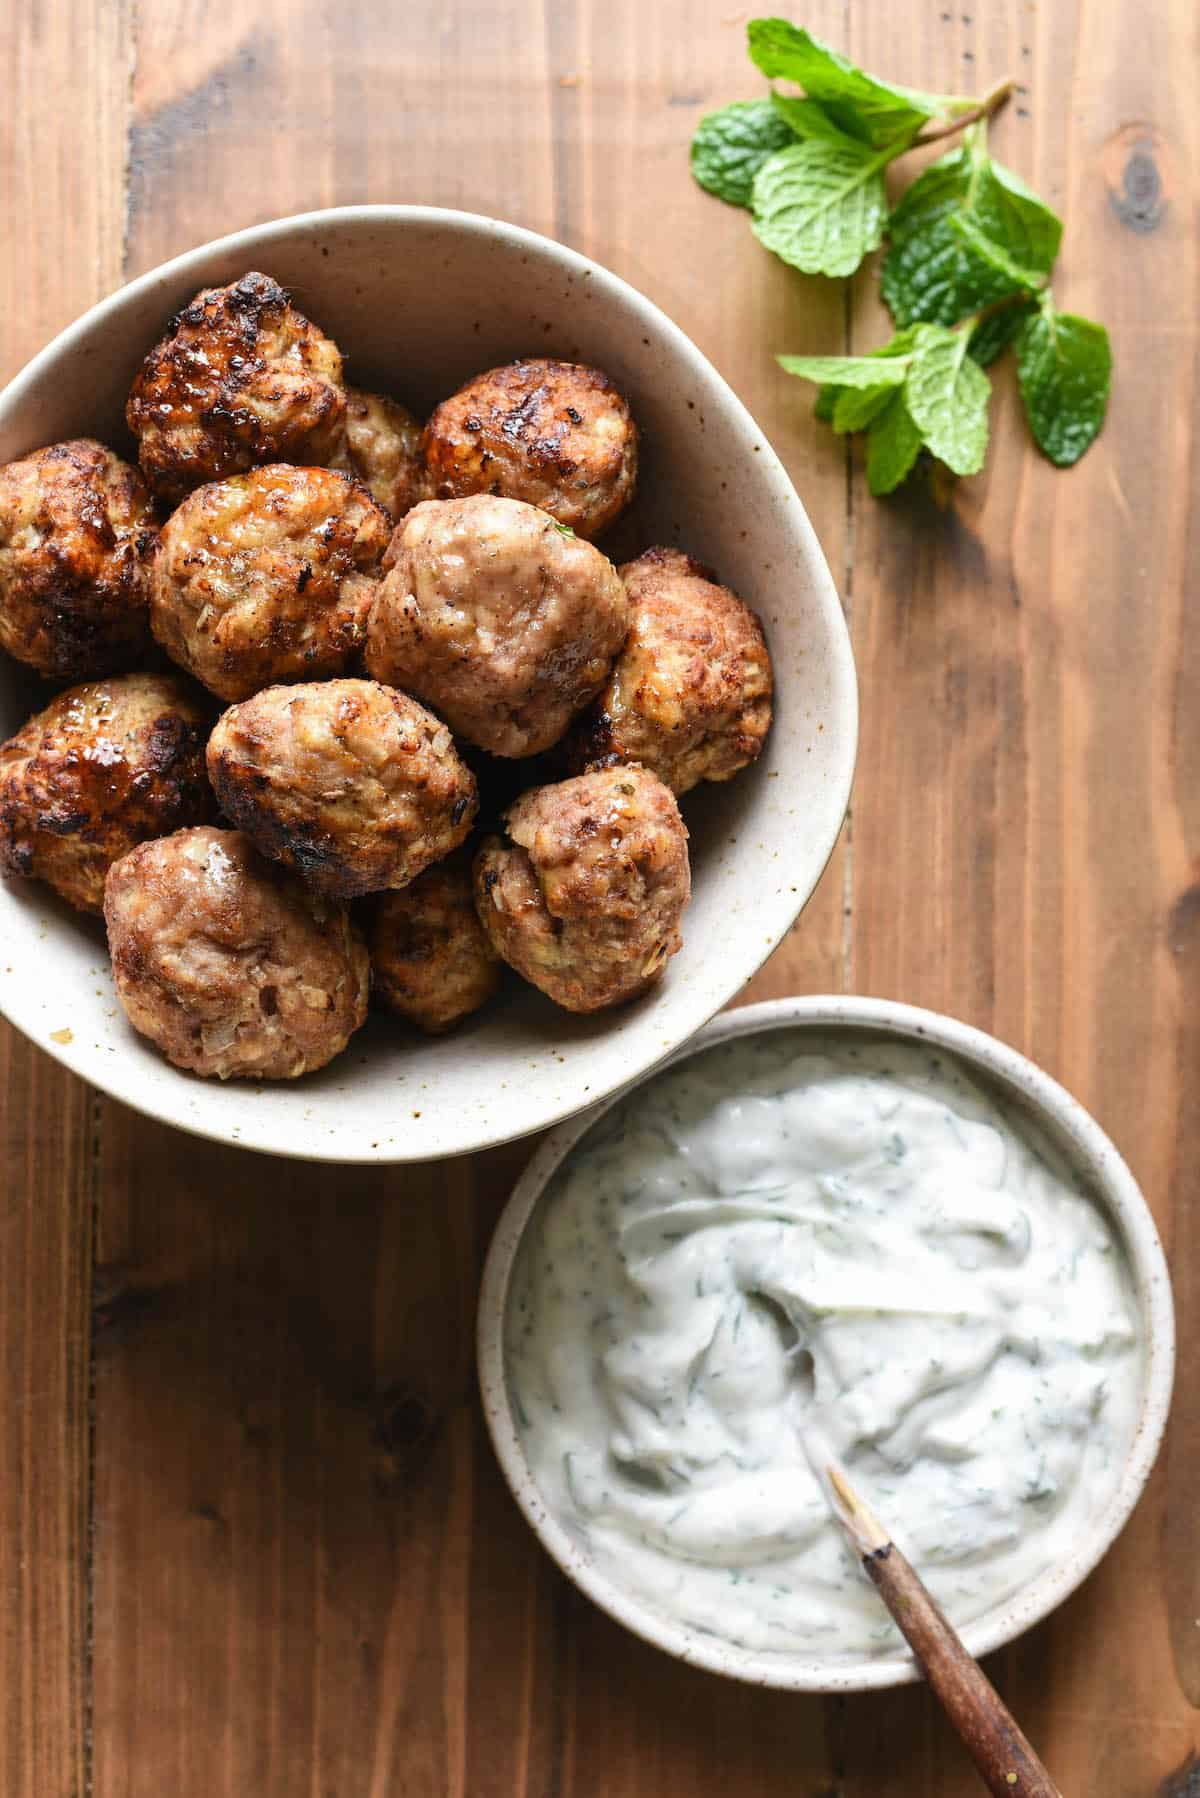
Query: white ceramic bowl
(419, 299)
(1086, 1149)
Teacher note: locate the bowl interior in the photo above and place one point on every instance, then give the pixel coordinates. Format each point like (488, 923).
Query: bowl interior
(1026, 1092)
(420, 299)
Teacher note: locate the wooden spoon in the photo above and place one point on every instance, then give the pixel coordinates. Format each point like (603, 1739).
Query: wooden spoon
(1007, 1763)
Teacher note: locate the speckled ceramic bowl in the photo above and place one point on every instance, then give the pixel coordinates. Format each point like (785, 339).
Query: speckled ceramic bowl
(419, 299)
(1069, 1128)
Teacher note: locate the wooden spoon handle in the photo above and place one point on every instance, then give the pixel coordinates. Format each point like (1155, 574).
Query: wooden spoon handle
(990, 1733)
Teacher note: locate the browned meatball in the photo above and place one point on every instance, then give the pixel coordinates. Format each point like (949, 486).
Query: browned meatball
(229, 965)
(497, 619)
(267, 577)
(354, 785)
(556, 434)
(585, 896)
(690, 693)
(430, 958)
(76, 530)
(105, 766)
(382, 449)
(240, 379)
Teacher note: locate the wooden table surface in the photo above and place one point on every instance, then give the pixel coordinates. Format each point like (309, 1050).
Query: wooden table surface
(252, 1540)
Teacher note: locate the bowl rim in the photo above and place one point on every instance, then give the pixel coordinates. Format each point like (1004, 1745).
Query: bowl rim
(255, 240)
(1105, 1174)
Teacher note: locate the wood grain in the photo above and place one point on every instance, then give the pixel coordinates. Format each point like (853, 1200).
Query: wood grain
(304, 1575)
(62, 204)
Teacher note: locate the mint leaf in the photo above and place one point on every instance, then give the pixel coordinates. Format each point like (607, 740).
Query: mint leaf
(806, 118)
(846, 371)
(993, 334)
(876, 112)
(893, 445)
(820, 206)
(947, 395)
(831, 391)
(1013, 216)
(932, 270)
(827, 399)
(855, 407)
(994, 255)
(730, 146)
(1064, 366)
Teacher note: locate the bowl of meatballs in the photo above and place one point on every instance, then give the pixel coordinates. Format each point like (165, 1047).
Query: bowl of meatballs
(423, 700)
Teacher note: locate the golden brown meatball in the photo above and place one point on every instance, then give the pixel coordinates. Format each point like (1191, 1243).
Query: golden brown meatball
(689, 695)
(355, 786)
(231, 966)
(556, 434)
(430, 959)
(76, 530)
(496, 618)
(105, 766)
(240, 379)
(585, 896)
(381, 448)
(267, 577)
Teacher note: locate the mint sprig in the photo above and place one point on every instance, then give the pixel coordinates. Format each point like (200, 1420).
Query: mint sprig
(966, 273)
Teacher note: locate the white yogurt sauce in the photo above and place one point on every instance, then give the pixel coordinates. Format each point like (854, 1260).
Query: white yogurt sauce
(786, 1240)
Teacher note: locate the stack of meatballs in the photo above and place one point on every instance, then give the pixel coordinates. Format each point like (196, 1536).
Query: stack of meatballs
(387, 614)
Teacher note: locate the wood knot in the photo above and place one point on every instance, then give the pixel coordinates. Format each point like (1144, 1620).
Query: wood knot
(405, 1430)
(1184, 1782)
(1183, 925)
(1136, 173)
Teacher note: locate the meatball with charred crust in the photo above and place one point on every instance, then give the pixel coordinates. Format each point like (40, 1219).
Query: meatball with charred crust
(498, 619)
(231, 966)
(555, 434)
(267, 577)
(104, 767)
(584, 894)
(690, 693)
(76, 531)
(430, 958)
(240, 379)
(355, 786)
(381, 447)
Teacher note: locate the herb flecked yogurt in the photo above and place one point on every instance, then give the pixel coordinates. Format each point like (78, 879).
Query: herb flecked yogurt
(846, 1242)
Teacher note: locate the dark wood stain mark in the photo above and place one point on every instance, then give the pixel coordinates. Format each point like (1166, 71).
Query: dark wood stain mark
(1184, 1782)
(176, 130)
(1183, 929)
(1135, 172)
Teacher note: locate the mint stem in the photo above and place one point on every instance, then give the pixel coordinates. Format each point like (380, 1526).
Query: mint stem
(984, 110)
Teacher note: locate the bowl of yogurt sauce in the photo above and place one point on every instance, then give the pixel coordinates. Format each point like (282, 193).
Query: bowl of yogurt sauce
(829, 1227)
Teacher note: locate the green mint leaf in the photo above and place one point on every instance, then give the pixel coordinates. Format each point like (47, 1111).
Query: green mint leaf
(846, 371)
(829, 393)
(806, 118)
(993, 334)
(1027, 280)
(947, 395)
(1015, 218)
(730, 146)
(933, 269)
(855, 407)
(877, 112)
(893, 445)
(827, 398)
(1064, 366)
(821, 206)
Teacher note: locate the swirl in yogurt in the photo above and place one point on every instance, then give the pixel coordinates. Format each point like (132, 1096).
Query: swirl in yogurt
(843, 1240)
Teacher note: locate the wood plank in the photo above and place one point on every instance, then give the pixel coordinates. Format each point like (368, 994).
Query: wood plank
(315, 1578)
(1023, 825)
(62, 141)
